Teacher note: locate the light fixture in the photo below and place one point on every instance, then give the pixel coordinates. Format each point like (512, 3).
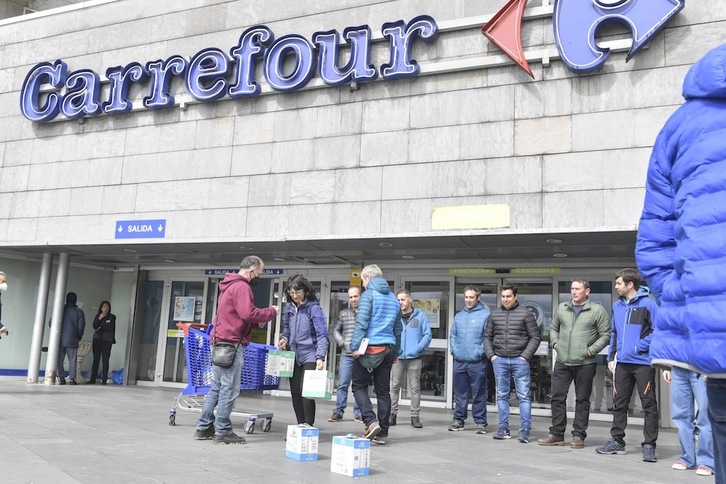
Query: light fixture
(130, 251)
(279, 259)
(553, 241)
(407, 257)
(246, 247)
(169, 260)
(559, 255)
(385, 244)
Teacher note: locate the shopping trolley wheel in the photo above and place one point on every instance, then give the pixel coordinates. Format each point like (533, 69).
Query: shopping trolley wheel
(249, 426)
(172, 419)
(265, 425)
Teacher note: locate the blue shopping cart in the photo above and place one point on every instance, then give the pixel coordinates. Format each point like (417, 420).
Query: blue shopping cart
(199, 377)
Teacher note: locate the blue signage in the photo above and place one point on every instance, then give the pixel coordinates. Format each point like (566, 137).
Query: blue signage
(218, 272)
(140, 229)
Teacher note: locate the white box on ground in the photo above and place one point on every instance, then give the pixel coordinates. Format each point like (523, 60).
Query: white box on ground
(302, 442)
(351, 456)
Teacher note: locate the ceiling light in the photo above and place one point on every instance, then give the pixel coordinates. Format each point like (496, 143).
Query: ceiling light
(169, 260)
(130, 251)
(407, 257)
(385, 244)
(246, 247)
(559, 255)
(553, 241)
(279, 259)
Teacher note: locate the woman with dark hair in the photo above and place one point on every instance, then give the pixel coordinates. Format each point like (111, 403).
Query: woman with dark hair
(104, 335)
(306, 333)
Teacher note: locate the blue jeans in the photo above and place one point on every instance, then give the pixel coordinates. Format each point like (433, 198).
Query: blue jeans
(345, 376)
(222, 395)
(504, 369)
(687, 387)
(470, 376)
(72, 361)
(717, 413)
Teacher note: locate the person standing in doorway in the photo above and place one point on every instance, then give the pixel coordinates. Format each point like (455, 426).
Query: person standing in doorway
(104, 336)
(236, 313)
(415, 338)
(342, 333)
(511, 339)
(629, 360)
(3, 288)
(579, 331)
(470, 364)
(72, 328)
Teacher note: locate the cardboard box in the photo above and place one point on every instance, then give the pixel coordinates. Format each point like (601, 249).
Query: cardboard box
(280, 363)
(351, 456)
(302, 442)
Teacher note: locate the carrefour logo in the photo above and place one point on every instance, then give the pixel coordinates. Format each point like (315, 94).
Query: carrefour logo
(288, 63)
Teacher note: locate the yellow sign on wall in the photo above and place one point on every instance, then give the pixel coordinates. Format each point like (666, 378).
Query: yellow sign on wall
(470, 217)
(355, 277)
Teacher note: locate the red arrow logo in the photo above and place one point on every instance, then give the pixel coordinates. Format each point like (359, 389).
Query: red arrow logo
(505, 31)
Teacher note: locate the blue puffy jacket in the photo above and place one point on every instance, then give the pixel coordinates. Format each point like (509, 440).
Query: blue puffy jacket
(467, 333)
(306, 331)
(681, 248)
(416, 336)
(378, 317)
(632, 328)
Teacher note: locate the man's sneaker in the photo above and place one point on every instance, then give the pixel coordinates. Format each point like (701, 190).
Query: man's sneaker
(524, 436)
(551, 440)
(502, 433)
(481, 429)
(204, 434)
(380, 440)
(392, 419)
(72, 381)
(577, 443)
(416, 423)
(704, 471)
(456, 426)
(230, 438)
(62, 381)
(359, 419)
(336, 417)
(611, 447)
(371, 431)
(649, 453)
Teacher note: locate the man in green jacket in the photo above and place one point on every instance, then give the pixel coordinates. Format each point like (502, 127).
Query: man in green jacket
(579, 331)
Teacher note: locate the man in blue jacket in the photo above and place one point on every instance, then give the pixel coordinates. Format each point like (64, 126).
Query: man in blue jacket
(379, 321)
(470, 365)
(629, 360)
(415, 338)
(680, 247)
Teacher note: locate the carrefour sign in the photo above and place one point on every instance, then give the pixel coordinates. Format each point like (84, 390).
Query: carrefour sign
(289, 62)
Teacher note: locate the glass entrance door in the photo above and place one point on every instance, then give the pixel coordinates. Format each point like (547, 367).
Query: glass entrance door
(187, 303)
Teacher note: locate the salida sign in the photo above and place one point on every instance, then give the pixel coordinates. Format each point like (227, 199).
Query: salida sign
(50, 89)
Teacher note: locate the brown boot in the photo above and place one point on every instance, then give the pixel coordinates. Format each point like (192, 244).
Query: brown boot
(392, 420)
(416, 423)
(551, 440)
(577, 443)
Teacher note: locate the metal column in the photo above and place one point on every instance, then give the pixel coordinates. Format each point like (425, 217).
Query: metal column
(39, 325)
(51, 364)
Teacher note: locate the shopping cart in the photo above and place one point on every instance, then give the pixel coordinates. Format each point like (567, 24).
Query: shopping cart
(199, 372)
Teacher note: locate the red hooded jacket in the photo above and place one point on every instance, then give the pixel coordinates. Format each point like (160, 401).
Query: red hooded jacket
(236, 311)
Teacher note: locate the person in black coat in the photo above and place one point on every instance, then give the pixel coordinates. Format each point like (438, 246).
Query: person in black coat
(104, 335)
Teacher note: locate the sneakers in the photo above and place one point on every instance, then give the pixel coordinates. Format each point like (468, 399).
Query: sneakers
(204, 434)
(230, 438)
(71, 381)
(611, 447)
(524, 436)
(481, 429)
(416, 423)
(456, 426)
(392, 419)
(371, 431)
(704, 471)
(649, 453)
(577, 443)
(380, 439)
(502, 433)
(336, 417)
(551, 440)
(679, 466)
(359, 419)
(62, 381)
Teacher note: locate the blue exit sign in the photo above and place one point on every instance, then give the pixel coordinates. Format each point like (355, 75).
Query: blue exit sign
(140, 229)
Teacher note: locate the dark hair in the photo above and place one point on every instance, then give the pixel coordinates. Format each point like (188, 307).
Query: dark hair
(582, 281)
(630, 275)
(299, 283)
(100, 306)
(509, 287)
(472, 287)
(405, 291)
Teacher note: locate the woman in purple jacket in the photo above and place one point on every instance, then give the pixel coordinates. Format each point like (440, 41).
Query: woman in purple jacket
(306, 333)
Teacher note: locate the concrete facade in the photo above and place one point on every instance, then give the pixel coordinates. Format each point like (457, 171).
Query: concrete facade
(565, 151)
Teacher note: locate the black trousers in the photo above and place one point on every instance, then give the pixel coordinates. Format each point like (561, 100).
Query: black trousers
(627, 376)
(100, 350)
(562, 377)
(304, 407)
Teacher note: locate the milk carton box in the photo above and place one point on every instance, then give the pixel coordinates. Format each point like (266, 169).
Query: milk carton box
(302, 442)
(351, 456)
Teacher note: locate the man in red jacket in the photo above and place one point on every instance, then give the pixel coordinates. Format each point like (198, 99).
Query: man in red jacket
(236, 313)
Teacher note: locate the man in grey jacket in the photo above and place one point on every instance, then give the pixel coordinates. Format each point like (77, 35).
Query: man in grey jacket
(342, 333)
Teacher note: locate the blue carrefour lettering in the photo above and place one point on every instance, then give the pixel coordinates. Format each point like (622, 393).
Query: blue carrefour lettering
(252, 44)
(121, 79)
(576, 21)
(161, 73)
(81, 97)
(31, 105)
(302, 71)
(358, 67)
(205, 76)
(401, 36)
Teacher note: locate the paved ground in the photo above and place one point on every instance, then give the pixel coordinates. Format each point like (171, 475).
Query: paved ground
(115, 434)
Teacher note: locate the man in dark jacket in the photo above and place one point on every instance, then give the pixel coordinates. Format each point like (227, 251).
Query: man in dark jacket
(236, 313)
(342, 333)
(73, 326)
(510, 341)
(579, 331)
(3, 288)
